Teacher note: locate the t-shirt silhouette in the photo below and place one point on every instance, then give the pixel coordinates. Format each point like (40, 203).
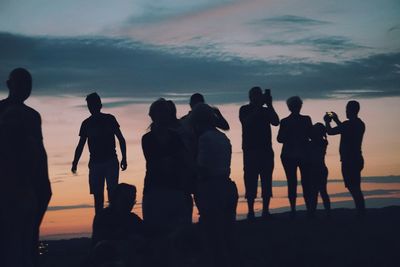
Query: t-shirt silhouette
(163, 162)
(32, 118)
(294, 134)
(352, 132)
(110, 225)
(100, 131)
(256, 133)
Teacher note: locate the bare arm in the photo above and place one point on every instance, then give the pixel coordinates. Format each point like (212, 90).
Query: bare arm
(221, 121)
(78, 153)
(281, 133)
(273, 116)
(332, 130)
(122, 145)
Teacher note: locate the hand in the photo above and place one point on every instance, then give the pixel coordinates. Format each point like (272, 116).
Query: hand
(327, 118)
(74, 168)
(334, 116)
(124, 165)
(268, 100)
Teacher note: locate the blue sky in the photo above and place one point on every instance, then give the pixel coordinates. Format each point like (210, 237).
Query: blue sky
(142, 49)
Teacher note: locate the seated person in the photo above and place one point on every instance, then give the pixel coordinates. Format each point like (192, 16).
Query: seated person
(117, 222)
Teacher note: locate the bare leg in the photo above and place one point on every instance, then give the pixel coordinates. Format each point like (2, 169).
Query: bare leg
(98, 202)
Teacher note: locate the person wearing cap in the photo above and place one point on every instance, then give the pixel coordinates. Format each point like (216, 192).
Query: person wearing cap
(100, 130)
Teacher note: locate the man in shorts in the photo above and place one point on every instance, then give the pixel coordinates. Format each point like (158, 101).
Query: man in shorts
(258, 155)
(351, 135)
(100, 130)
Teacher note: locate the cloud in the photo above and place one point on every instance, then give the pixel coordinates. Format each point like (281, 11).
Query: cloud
(291, 20)
(156, 11)
(140, 72)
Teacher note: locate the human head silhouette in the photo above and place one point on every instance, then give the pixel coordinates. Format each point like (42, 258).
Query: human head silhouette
(318, 131)
(94, 103)
(160, 112)
(294, 104)
(19, 84)
(172, 108)
(123, 198)
(203, 117)
(256, 96)
(195, 99)
(352, 109)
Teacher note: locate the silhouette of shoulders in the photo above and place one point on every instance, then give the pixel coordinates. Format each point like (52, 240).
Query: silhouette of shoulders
(162, 160)
(31, 116)
(352, 132)
(110, 225)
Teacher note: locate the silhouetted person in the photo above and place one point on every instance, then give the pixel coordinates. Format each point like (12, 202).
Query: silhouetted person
(258, 155)
(220, 121)
(351, 135)
(117, 222)
(318, 171)
(165, 197)
(24, 169)
(216, 195)
(294, 134)
(189, 182)
(100, 130)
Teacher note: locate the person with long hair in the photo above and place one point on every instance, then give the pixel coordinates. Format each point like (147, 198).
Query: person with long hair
(165, 197)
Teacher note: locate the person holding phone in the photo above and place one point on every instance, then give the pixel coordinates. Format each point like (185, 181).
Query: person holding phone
(351, 136)
(258, 156)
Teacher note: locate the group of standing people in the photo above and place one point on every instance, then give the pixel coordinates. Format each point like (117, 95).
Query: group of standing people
(187, 160)
(304, 148)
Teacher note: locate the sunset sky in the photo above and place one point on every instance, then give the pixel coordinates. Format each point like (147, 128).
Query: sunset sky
(132, 52)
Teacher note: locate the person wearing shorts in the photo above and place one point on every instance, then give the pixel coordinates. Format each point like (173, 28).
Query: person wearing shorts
(258, 155)
(351, 135)
(100, 130)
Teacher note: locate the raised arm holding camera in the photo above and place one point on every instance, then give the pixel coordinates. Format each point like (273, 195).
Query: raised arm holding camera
(258, 155)
(351, 135)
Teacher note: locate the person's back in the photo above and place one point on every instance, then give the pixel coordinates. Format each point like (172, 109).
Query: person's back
(162, 161)
(100, 131)
(108, 224)
(117, 222)
(214, 155)
(256, 134)
(19, 84)
(352, 132)
(294, 135)
(31, 117)
(317, 152)
(19, 171)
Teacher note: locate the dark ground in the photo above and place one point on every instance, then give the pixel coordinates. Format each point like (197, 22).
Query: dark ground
(342, 240)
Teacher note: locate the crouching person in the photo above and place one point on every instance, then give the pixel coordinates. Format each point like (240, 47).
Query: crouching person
(118, 228)
(216, 195)
(117, 222)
